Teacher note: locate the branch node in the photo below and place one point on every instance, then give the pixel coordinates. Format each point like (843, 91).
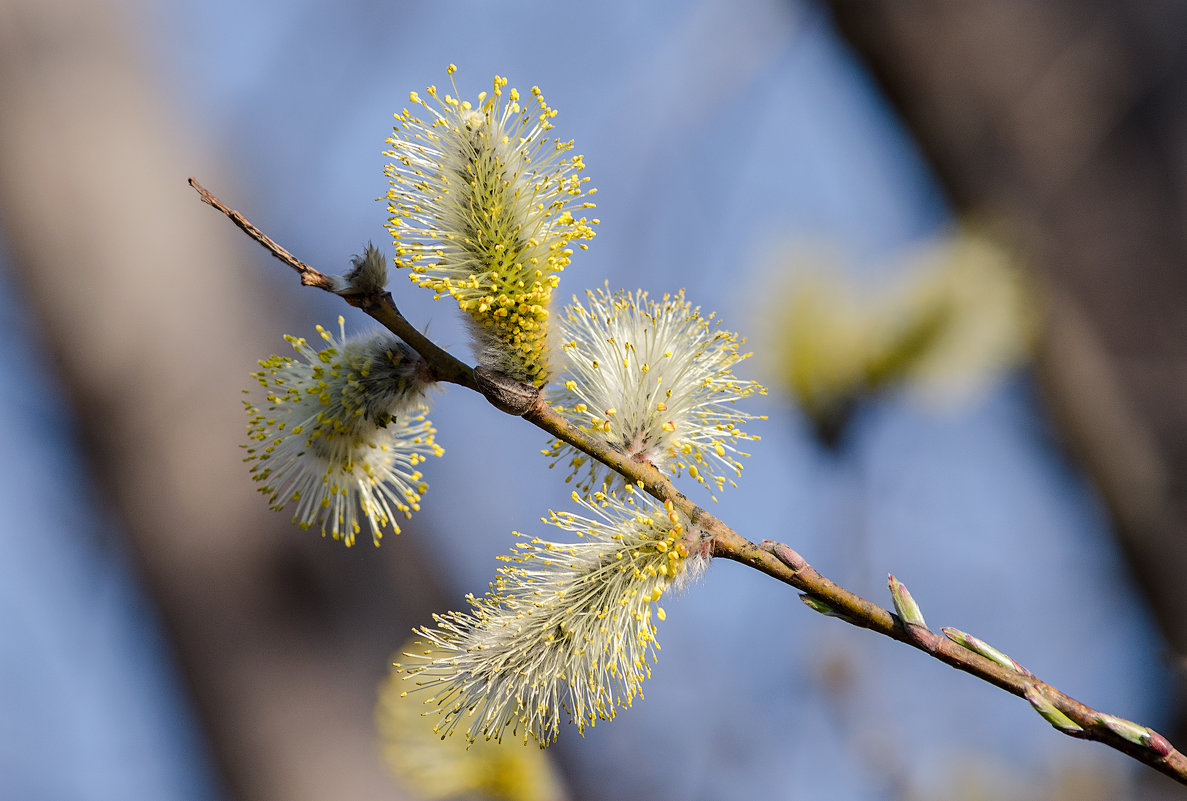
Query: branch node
(785, 555)
(504, 392)
(364, 289)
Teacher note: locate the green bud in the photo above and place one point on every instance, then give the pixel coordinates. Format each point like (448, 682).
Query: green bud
(904, 604)
(979, 646)
(820, 606)
(1051, 713)
(1134, 732)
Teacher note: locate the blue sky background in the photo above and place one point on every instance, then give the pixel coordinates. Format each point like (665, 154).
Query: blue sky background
(718, 134)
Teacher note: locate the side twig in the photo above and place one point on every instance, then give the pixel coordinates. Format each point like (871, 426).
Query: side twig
(957, 649)
(309, 276)
(381, 306)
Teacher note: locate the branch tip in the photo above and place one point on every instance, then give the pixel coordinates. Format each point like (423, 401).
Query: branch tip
(309, 276)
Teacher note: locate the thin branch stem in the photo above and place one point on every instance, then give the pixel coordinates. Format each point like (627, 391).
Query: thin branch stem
(775, 559)
(382, 307)
(309, 276)
(442, 365)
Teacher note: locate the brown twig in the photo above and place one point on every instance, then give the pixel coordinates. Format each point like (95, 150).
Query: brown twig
(309, 276)
(775, 559)
(380, 306)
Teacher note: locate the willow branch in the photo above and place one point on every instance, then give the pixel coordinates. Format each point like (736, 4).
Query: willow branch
(777, 560)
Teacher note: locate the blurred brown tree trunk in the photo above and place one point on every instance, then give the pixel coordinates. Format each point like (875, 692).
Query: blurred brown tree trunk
(155, 322)
(1065, 121)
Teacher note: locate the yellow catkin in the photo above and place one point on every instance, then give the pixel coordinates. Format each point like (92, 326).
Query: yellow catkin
(483, 207)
